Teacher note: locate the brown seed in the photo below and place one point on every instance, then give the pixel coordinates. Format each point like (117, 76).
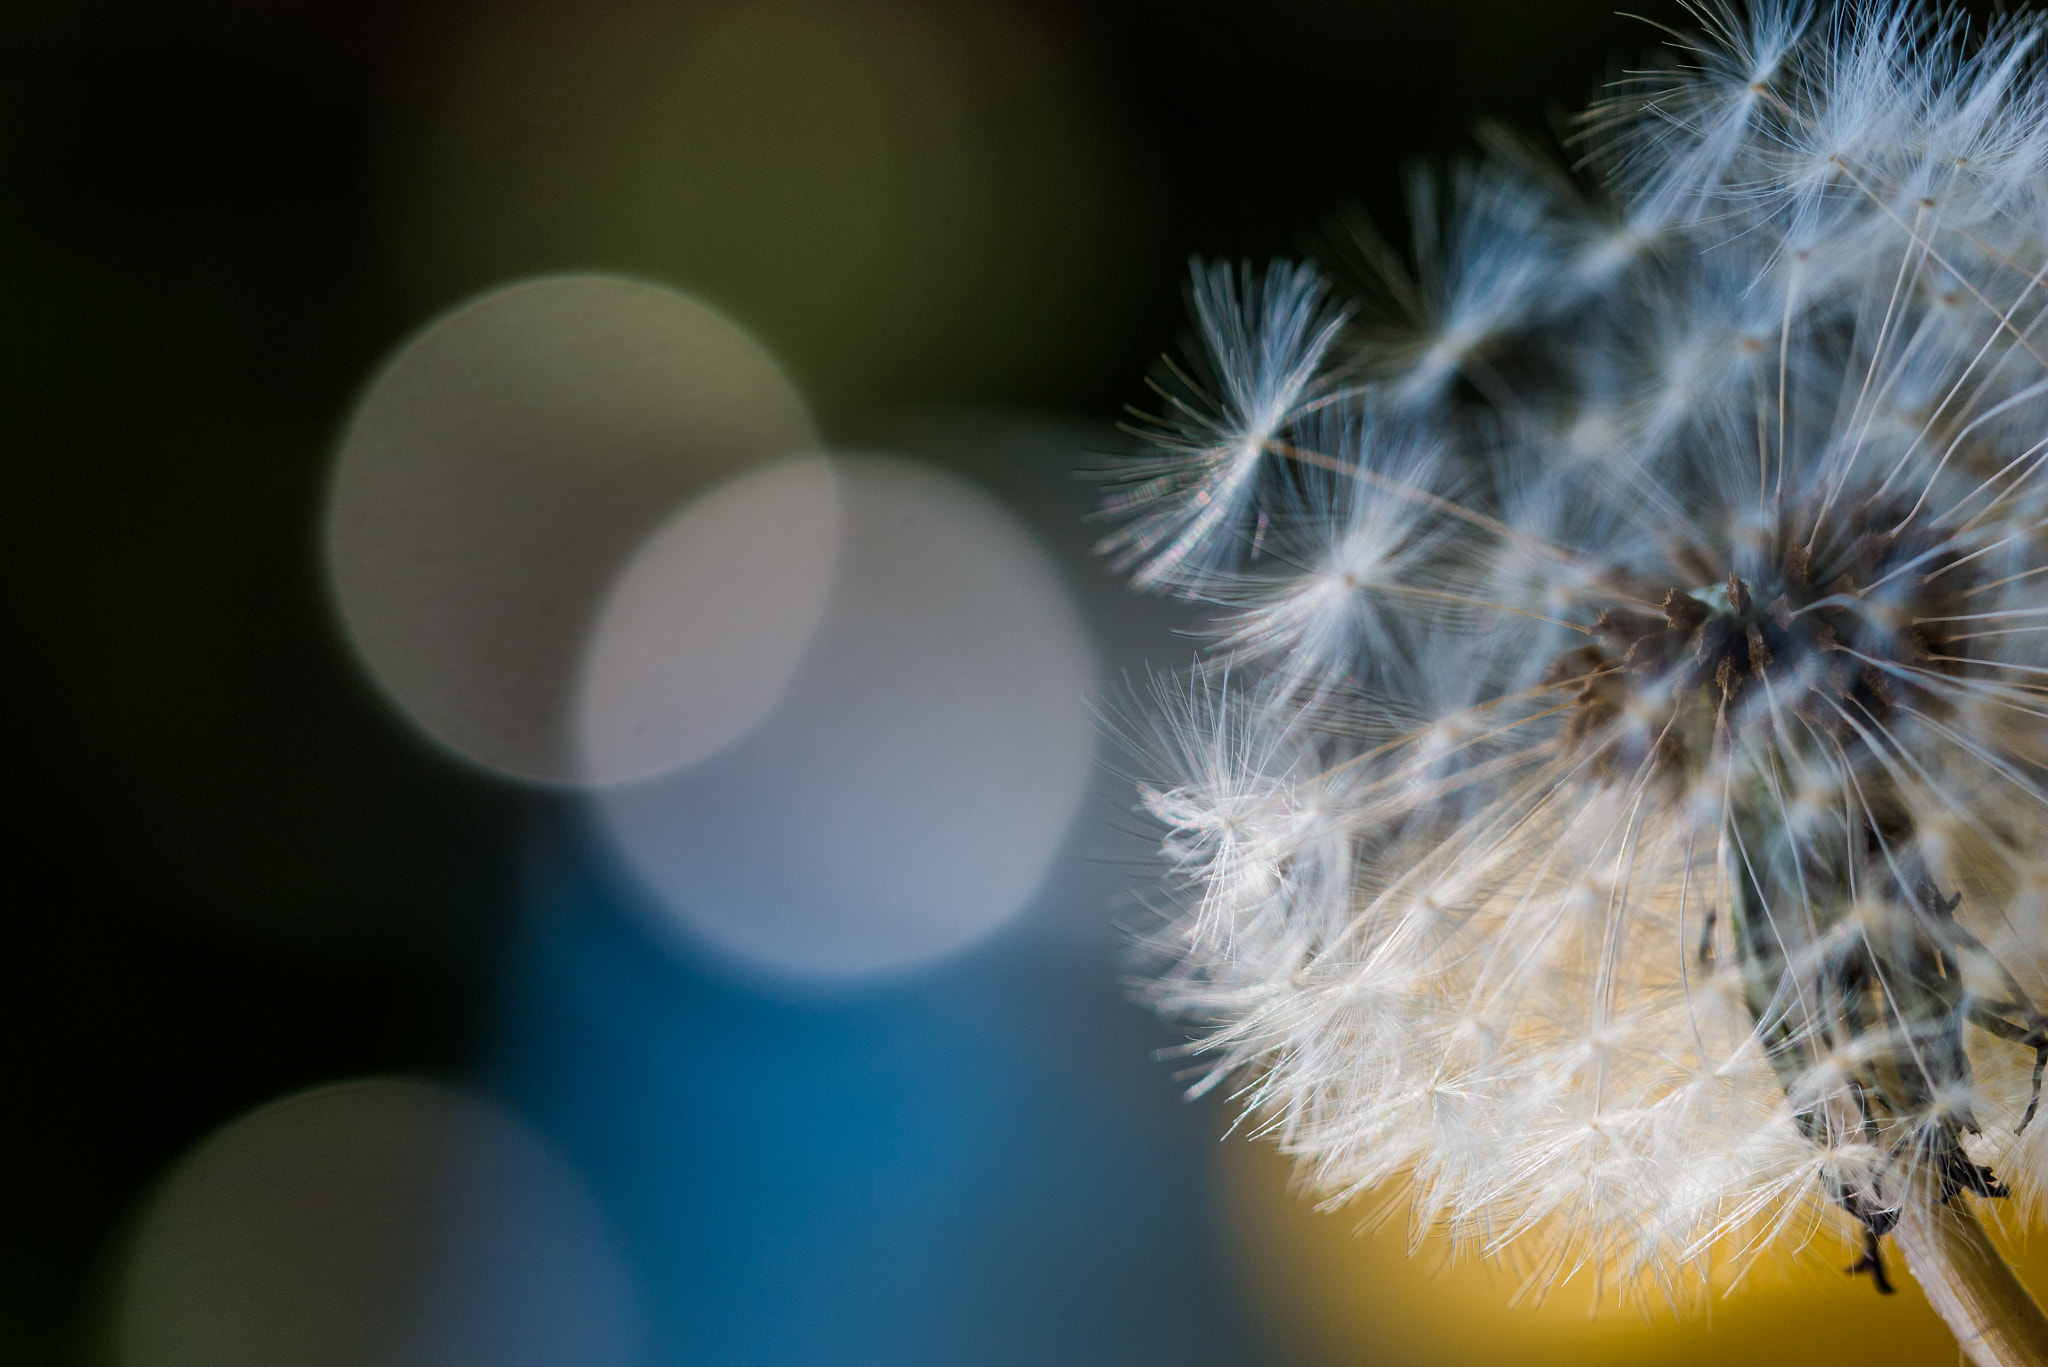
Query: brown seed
(1649, 654)
(1796, 565)
(1574, 664)
(1682, 610)
(1713, 638)
(1759, 653)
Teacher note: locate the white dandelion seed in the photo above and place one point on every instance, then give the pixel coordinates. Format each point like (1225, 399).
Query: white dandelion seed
(1262, 348)
(1615, 804)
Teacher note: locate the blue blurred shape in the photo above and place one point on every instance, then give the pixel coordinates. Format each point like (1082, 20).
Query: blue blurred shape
(946, 1170)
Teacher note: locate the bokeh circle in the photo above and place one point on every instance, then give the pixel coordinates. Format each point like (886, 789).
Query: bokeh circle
(500, 470)
(908, 792)
(380, 1221)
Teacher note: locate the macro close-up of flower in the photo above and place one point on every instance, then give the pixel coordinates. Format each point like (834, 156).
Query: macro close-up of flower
(1008, 683)
(1607, 820)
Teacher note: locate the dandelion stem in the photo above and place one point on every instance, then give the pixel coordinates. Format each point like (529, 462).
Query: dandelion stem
(1995, 1321)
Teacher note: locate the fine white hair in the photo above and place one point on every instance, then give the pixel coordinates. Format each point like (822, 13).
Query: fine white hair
(1614, 799)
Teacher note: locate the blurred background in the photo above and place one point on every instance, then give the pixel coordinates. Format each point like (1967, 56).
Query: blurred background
(565, 818)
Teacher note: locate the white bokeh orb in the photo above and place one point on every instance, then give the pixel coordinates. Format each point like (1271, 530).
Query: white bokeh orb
(702, 631)
(499, 471)
(910, 787)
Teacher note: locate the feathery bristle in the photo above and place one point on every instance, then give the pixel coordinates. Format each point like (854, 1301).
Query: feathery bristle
(1615, 802)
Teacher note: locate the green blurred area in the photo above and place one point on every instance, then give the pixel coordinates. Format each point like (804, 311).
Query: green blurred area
(898, 199)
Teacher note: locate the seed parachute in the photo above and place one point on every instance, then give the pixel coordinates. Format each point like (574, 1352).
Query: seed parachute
(1613, 807)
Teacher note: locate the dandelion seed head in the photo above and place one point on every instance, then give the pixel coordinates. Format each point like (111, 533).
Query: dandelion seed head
(1614, 801)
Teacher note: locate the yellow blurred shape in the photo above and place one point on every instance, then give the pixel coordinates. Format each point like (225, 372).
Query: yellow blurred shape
(893, 195)
(1328, 1294)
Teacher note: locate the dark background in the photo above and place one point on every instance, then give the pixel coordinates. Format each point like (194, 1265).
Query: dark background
(235, 871)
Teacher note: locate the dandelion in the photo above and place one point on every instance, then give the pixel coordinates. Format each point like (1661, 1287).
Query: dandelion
(1613, 807)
